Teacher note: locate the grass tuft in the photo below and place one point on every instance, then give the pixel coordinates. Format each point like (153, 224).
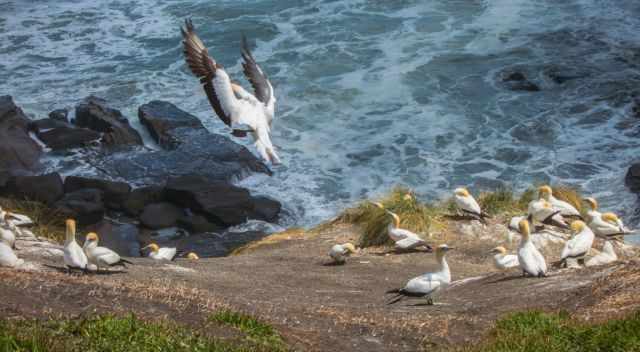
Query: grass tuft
(48, 222)
(259, 332)
(569, 195)
(534, 331)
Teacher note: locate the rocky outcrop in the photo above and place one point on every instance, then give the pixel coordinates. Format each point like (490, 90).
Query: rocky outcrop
(44, 188)
(59, 115)
(85, 206)
(265, 208)
(632, 179)
(139, 198)
(160, 215)
(93, 113)
(59, 135)
(122, 238)
(115, 193)
(18, 152)
(517, 81)
(161, 118)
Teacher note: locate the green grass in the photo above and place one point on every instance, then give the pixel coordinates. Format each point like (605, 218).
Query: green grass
(110, 333)
(535, 331)
(259, 332)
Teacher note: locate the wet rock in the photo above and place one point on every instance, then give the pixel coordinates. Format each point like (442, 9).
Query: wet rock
(121, 238)
(220, 202)
(632, 179)
(85, 206)
(266, 209)
(114, 193)
(67, 137)
(160, 215)
(162, 117)
(141, 197)
(93, 113)
(517, 81)
(59, 115)
(17, 150)
(45, 124)
(44, 188)
(635, 107)
(197, 224)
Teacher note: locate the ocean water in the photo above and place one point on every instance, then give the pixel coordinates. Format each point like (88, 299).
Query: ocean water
(371, 94)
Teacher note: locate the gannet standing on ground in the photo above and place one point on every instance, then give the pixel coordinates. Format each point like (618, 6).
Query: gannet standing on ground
(8, 232)
(339, 252)
(540, 210)
(603, 225)
(565, 208)
(163, 254)
(577, 247)
(608, 255)
(234, 105)
(531, 260)
(74, 257)
(404, 239)
(429, 284)
(502, 260)
(7, 257)
(465, 202)
(101, 257)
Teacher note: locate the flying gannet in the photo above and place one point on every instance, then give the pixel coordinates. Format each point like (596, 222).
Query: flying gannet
(531, 260)
(74, 257)
(163, 254)
(577, 247)
(502, 260)
(101, 257)
(565, 208)
(404, 239)
(608, 255)
(7, 257)
(465, 202)
(234, 105)
(429, 284)
(340, 252)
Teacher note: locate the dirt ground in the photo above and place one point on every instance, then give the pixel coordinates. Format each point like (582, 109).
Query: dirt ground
(317, 307)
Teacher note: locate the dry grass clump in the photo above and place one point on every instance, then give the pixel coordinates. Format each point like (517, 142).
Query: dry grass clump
(569, 195)
(48, 223)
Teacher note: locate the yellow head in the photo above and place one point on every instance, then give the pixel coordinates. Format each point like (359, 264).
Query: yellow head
(593, 204)
(610, 217)
(408, 197)
(7, 215)
(71, 228)
(92, 236)
(396, 218)
(499, 249)
(523, 225)
(153, 247)
(545, 192)
(349, 247)
(461, 192)
(577, 226)
(192, 256)
(377, 204)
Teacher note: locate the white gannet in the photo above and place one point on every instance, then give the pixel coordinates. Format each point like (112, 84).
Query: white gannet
(8, 232)
(404, 239)
(101, 257)
(540, 210)
(502, 260)
(578, 246)
(608, 255)
(465, 202)
(514, 223)
(74, 257)
(607, 224)
(7, 257)
(339, 252)
(192, 256)
(161, 254)
(234, 105)
(426, 285)
(565, 208)
(531, 260)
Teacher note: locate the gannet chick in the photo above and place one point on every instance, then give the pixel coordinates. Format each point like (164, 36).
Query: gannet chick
(608, 255)
(531, 260)
(7, 257)
(161, 254)
(7, 232)
(340, 252)
(502, 260)
(565, 208)
(192, 256)
(465, 202)
(579, 245)
(540, 210)
(74, 257)
(429, 284)
(101, 257)
(404, 239)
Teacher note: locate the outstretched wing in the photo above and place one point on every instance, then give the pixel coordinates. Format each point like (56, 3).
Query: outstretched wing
(255, 75)
(202, 66)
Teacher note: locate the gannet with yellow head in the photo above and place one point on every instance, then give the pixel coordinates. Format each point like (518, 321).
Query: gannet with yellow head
(404, 239)
(192, 256)
(429, 284)
(565, 208)
(8, 231)
(465, 202)
(101, 257)
(502, 260)
(530, 259)
(161, 254)
(578, 246)
(339, 252)
(74, 257)
(607, 224)
(542, 211)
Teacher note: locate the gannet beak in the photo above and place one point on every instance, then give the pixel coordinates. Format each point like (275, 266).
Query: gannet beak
(429, 249)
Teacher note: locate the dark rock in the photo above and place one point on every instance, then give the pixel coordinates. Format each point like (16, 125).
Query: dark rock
(265, 208)
(632, 179)
(17, 150)
(207, 245)
(162, 117)
(220, 202)
(45, 124)
(45, 188)
(160, 215)
(197, 224)
(85, 206)
(121, 238)
(635, 107)
(517, 81)
(115, 193)
(141, 197)
(93, 113)
(68, 137)
(59, 115)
